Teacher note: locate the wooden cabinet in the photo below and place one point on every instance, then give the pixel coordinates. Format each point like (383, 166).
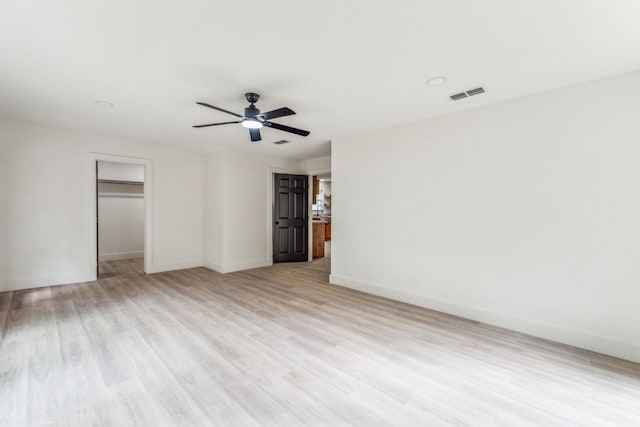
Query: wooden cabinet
(318, 239)
(316, 189)
(327, 231)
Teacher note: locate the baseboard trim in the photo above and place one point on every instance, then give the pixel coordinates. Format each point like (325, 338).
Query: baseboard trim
(215, 266)
(120, 255)
(43, 282)
(230, 268)
(612, 347)
(183, 265)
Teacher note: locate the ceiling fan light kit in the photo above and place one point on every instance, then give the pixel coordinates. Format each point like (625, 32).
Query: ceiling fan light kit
(254, 120)
(251, 124)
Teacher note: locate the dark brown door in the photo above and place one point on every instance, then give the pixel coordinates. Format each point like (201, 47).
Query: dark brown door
(290, 218)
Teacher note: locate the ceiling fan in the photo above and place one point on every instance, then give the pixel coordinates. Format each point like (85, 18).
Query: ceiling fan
(254, 120)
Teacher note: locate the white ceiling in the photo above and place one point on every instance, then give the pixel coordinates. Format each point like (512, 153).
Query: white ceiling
(344, 66)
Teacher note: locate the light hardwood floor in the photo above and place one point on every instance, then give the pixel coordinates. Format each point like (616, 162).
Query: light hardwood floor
(280, 346)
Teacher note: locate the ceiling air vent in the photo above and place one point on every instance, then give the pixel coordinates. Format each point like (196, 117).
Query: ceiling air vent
(470, 92)
(282, 141)
(458, 96)
(476, 91)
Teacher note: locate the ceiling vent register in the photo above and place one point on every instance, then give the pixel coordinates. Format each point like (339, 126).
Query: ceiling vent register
(470, 92)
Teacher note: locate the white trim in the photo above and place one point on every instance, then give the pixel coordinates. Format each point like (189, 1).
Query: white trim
(120, 255)
(43, 282)
(230, 268)
(183, 265)
(604, 345)
(148, 208)
(126, 195)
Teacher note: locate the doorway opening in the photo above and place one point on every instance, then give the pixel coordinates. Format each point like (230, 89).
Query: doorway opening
(321, 215)
(120, 218)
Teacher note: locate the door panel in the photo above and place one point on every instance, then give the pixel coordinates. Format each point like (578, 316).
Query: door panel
(283, 239)
(300, 205)
(283, 209)
(300, 241)
(291, 221)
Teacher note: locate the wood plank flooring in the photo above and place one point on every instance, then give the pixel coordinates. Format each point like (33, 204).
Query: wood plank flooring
(280, 346)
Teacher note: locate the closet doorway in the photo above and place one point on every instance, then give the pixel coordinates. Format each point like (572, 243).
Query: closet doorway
(120, 218)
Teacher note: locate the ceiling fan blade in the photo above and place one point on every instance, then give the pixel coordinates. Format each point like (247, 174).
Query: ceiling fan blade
(255, 135)
(280, 112)
(214, 124)
(204, 104)
(287, 128)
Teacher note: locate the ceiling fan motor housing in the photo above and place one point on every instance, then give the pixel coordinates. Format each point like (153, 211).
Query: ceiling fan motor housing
(251, 111)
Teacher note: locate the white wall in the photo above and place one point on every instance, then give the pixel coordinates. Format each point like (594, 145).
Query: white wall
(121, 226)
(120, 171)
(239, 193)
(523, 214)
(316, 165)
(5, 183)
(44, 220)
(214, 210)
(45, 217)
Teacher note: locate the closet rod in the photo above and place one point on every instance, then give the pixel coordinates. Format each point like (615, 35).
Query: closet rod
(114, 181)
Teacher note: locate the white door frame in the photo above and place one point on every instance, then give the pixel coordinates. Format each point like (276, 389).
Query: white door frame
(148, 204)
